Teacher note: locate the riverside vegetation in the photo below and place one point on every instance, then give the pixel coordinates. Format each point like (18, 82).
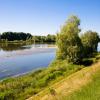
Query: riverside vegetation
(81, 85)
(74, 52)
(21, 37)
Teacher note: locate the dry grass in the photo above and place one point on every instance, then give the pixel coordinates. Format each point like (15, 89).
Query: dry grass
(69, 84)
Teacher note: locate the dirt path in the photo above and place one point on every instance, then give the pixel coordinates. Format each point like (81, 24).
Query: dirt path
(69, 84)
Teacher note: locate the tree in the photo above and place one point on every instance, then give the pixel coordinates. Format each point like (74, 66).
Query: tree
(11, 36)
(90, 42)
(50, 38)
(69, 42)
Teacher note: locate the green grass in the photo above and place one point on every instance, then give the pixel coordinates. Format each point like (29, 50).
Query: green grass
(25, 86)
(89, 92)
(69, 88)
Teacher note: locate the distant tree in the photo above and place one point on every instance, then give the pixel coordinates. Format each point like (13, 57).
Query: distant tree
(11, 36)
(90, 42)
(51, 38)
(48, 38)
(68, 41)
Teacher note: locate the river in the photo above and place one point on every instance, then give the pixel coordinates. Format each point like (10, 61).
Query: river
(20, 59)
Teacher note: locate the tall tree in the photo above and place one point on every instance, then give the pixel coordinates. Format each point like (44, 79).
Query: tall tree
(68, 41)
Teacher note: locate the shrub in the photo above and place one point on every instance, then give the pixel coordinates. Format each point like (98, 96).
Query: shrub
(52, 91)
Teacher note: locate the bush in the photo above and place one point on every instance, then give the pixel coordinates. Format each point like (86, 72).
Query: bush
(52, 91)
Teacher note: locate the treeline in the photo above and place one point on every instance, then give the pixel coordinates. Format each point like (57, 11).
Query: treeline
(73, 46)
(48, 38)
(21, 36)
(12, 36)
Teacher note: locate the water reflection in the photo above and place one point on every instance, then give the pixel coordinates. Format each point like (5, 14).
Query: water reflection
(23, 46)
(16, 59)
(11, 47)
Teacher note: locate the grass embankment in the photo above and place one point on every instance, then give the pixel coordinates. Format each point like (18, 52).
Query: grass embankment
(23, 87)
(40, 82)
(81, 85)
(91, 91)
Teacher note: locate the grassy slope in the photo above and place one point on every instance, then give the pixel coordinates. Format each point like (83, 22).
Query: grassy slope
(41, 81)
(64, 88)
(89, 92)
(23, 87)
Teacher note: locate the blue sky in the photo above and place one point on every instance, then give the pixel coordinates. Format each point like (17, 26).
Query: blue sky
(41, 17)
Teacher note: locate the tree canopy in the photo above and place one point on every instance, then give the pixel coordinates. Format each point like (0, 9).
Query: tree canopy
(71, 46)
(68, 41)
(90, 42)
(11, 36)
(48, 38)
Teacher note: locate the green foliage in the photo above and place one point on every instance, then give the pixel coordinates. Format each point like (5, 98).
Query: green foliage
(8, 37)
(48, 38)
(68, 41)
(90, 42)
(11, 36)
(71, 46)
(23, 87)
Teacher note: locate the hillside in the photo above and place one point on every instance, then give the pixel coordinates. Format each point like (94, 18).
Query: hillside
(65, 89)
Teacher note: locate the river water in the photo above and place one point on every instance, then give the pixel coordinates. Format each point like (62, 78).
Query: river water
(20, 59)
